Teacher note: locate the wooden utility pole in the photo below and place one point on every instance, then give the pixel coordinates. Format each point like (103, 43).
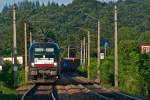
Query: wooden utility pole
(81, 54)
(84, 51)
(25, 52)
(98, 52)
(88, 68)
(116, 49)
(98, 46)
(105, 47)
(30, 38)
(68, 51)
(14, 46)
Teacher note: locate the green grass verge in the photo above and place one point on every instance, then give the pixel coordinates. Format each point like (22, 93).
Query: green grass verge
(7, 93)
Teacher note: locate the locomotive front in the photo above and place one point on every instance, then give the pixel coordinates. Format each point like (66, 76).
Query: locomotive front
(44, 62)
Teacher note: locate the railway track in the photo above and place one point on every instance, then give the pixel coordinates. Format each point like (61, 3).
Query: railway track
(119, 96)
(74, 87)
(40, 92)
(82, 88)
(111, 95)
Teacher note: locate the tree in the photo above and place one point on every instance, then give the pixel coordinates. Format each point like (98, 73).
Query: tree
(144, 69)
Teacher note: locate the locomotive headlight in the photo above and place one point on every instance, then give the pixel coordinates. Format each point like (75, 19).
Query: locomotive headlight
(55, 64)
(32, 64)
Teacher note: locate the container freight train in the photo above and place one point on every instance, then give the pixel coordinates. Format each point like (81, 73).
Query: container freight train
(69, 64)
(44, 62)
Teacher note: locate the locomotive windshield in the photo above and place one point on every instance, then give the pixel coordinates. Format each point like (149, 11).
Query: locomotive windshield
(39, 49)
(47, 50)
(44, 53)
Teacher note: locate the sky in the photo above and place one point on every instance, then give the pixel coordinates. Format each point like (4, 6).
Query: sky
(7, 2)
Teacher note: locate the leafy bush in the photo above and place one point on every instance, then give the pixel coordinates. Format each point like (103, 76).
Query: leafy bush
(5, 90)
(21, 75)
(107, 73)
(7, 74)
(144, 69)
(93, 68)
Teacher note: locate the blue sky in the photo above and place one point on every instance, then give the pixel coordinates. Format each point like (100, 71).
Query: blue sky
(7, 2)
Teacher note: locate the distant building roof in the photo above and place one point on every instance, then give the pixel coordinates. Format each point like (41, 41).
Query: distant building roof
(19, 59)
(145, 49)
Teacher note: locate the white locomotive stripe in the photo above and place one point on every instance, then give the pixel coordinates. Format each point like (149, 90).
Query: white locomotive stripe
(44, 61)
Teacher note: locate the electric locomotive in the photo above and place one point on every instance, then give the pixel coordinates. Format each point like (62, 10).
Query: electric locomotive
(44, 62)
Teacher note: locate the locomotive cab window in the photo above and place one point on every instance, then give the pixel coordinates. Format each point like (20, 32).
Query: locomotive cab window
(49, 50)
(39, 49)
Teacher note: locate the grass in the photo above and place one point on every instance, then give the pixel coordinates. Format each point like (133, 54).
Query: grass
(7, 93)
(83, 69)
(8, 97)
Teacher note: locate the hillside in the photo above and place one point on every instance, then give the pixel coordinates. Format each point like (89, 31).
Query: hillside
(59, 22)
